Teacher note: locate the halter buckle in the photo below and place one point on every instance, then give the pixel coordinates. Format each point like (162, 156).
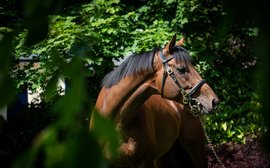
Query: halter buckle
(183, 92)
(169, 70)
(185, 100)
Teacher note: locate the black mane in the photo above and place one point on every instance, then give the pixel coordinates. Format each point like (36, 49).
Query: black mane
(134, 64)
(137, 63)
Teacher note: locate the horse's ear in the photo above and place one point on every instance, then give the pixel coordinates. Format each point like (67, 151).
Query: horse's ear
(180, 42)
(169, 46)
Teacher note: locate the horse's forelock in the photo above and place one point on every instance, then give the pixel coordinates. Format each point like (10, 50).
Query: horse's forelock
(181, 54)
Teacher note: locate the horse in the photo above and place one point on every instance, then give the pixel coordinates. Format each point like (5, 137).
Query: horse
(147, 96)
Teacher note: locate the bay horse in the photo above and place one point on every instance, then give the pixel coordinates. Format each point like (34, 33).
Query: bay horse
(147, 96)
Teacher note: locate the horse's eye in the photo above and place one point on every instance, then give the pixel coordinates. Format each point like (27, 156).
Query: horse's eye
(182, 70)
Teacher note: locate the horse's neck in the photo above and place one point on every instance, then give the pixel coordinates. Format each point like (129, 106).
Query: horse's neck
(118, 98)
(138, 97)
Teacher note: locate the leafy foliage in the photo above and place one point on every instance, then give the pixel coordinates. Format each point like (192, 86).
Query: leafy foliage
(83, 40)
(225, 59)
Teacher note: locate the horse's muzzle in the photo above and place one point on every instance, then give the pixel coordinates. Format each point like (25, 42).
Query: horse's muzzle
(215, 103)
(205, 111)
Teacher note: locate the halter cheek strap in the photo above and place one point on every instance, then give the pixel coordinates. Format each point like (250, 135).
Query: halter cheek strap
(168, 70)
(187, 97)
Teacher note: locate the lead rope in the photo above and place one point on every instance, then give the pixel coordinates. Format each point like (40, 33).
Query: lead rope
(211, 145)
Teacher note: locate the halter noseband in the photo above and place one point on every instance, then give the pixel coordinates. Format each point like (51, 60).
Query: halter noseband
(187, 97)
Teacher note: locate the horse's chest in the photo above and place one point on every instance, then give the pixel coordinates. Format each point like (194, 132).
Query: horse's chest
(153, 133)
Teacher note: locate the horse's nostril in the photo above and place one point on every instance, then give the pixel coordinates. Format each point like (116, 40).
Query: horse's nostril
(215, 103)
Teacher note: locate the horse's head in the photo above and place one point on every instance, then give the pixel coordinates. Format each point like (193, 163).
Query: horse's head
(178, 80)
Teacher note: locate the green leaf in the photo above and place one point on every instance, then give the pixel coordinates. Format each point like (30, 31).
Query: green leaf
(224, 126)
(104, 130)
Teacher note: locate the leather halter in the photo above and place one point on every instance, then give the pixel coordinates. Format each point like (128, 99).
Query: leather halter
(188, 98)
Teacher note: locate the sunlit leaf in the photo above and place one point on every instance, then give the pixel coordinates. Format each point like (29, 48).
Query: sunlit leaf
(224, 126)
